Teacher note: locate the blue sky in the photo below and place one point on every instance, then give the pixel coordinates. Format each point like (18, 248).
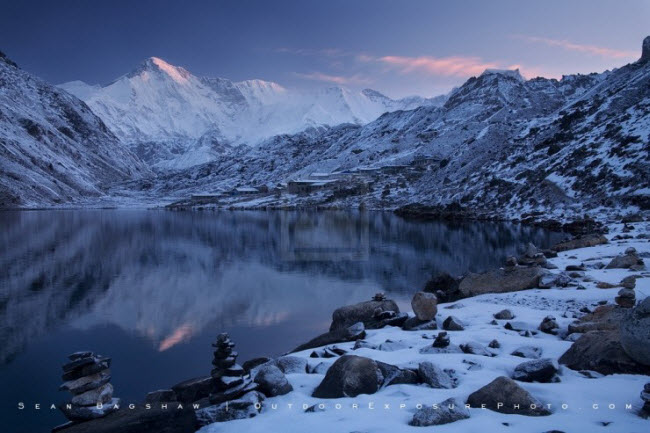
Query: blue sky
(397, 47)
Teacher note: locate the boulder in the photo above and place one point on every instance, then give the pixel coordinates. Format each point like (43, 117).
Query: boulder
(138, 420)
(635, 333)
(625, 261)
(626, 298)
(194, 389)
(603, 318)
(255, 362)
(539, 370)
(472, 348)
(531, 352)
(271, 381)
(415, 324)
(425, 306)
(549, 280)
(292, 364)
(450, 410)
(500, 281)
(452, 323)
(242, 408)
(394, 375)
(601, 351)
(391, 346)
(434, 376)
(363, 312)
(549, 325)
(350, 376)
(354, 332)
(444, 286)
(505, 396)
(588, 240)
(441, 340)
(504, 315)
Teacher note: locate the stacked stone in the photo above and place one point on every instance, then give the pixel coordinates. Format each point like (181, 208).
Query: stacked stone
(230, 379)
(87, 377)
(626, 298)
(645, 396)
(442, 340)
(379, 297)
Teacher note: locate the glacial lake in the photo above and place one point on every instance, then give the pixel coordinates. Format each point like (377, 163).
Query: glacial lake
(152, 289)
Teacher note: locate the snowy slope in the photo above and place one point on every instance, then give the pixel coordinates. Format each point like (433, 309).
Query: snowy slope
(53, 149)
(167, 108)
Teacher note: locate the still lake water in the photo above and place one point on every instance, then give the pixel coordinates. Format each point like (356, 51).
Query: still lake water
(152, 289)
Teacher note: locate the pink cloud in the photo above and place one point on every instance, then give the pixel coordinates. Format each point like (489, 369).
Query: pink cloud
(337, 79)
(457, 66)
(588, 49)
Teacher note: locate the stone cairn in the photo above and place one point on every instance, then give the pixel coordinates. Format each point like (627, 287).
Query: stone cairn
(230, 379)
(87, 377)
(442, 340)
(626, 298)
(379, 297)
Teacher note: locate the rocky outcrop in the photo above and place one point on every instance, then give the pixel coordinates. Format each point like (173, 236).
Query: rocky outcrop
(193, 390)
(601, 351)
(139, 420)
(444, 286)
(350, 376)
(354, 332)
(505, 396)
(629, 260)
(450, 410)
(635, 333)
(589, 240)
(365, 312)
(603, 318)
(645, 50)
(500, 281)
(394, 375)
(425, 306)
(241, 408)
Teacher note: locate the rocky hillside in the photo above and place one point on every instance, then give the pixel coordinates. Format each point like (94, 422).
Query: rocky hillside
(53, 149)
(501, 145)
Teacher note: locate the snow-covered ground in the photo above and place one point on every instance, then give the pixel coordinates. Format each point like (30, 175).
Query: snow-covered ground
(587, 400)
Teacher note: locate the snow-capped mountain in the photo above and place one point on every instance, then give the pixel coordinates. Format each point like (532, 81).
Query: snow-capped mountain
(500, 145)
(165, 109)
(53, 149)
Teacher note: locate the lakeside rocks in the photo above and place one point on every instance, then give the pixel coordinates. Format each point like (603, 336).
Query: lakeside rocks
(434, 376)
(583, 241)
(626, 298)
(139, 420)
(425, 306)
(452, 323)
(450, 410)
(603, 318)
(350, 376)
(241, 408)
(549, 325)
(356, 331)
(365, 312)
(87, 378)
(505, 396)
(195, 389)
(500, 281)
(504, 315)
(531, 352)
(271, 381)
(444, 286)
(230, 379)
(635, 333)
(629, 260)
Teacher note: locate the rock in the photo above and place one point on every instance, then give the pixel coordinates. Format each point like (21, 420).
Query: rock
(539, 370)
(531, 352)
(645, 396)
(588, 240)
(350, 376)
(444, 286)
(516, 326)
(425, 306)
(450, 410)
(394, 375)
(626, 298)
(441, 340)
(494, 344)
(625, 261)
(363, 344)
(500, 281)
(272, 382)
(242, 408)
(415, 324)
(549, 325)
(363, 312)
(354, 332)
(635, 333)
(452, 348)
(579, 267)
(161, 395)
(511, 261)
(475, 349)
(434, 376)
(629, 282)
(607, 317)
(505, 396)
(601, 351)
(230, 381)
(504, 315)
(193, 390)
(391, 346)
(139, 420)
(320, 368)
(103, 394)
(292, 364)
(255, 362)
(86, 383)
(452, 323)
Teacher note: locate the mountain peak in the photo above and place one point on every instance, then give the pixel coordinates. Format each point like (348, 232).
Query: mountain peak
(512, 73)
(645, 50)
(156, 64)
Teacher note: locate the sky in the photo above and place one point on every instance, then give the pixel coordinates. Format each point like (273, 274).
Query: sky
(397, 47)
